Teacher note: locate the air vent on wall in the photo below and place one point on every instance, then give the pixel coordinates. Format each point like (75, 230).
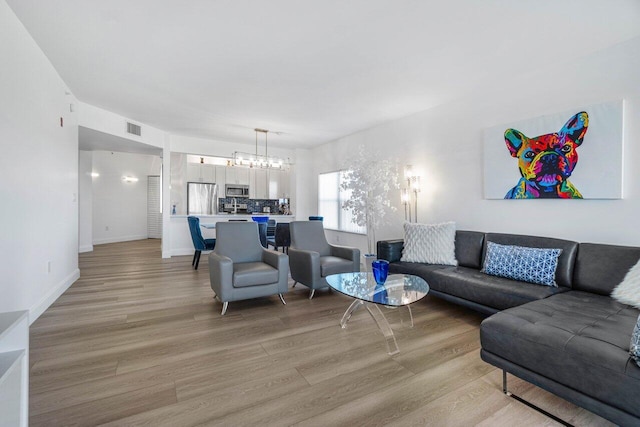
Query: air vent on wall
(134, 129)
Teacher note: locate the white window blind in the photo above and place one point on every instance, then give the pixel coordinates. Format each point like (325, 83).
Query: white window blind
(330, 200)
(154, 216)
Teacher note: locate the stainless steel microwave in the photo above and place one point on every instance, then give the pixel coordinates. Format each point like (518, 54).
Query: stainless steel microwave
(235, 190)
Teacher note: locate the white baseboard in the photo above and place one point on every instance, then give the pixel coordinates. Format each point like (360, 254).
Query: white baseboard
(85, 248)
(119, 239)
(52, 295)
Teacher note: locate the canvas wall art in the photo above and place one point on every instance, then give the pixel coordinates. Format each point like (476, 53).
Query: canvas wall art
(575, 154)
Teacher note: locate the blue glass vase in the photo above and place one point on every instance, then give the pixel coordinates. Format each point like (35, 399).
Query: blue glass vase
(380, 268)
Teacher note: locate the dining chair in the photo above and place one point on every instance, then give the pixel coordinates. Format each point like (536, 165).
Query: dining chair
(282, 238)
(240, 268)
(271, 228)
(199, 243)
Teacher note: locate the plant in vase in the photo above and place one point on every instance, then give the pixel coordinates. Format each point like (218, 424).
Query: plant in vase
(369, 178)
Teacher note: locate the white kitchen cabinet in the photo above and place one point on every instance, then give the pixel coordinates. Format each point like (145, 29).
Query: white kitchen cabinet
(237, 175)
(193, 172)
(221, 179)
(243, 176)
(284, 185)
(231, 175)
(207, 173)
(263, 183)
(278, 184)
(201, 172)
(258, 187)
(274, 184)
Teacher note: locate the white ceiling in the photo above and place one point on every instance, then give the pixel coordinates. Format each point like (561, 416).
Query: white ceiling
(315, 70)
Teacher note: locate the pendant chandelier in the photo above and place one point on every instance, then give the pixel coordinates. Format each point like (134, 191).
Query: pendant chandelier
(263, 161)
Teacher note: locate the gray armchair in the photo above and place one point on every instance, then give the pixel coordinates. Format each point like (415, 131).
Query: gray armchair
(240, 268)
(312, 258)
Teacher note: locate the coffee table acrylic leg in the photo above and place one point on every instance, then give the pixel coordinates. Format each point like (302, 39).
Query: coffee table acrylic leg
(347, 314)
(383, 324)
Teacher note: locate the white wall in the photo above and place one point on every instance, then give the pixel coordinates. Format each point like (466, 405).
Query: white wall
(38, 175)
(304, 187)
(119, 207)
(105, 121)
(85, 202)
(444, 145)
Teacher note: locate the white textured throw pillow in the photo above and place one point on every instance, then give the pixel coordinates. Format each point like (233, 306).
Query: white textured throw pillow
(634, 347)
(628, 291)
(430, 243)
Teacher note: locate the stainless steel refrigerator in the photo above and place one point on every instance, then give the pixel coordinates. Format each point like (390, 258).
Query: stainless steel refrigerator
(202, 198)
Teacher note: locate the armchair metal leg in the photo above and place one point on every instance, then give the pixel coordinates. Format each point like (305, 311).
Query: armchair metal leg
(197, 259)
(224, 307)
(282, 299)
(294, 284)
(313, 291)
(193, 261)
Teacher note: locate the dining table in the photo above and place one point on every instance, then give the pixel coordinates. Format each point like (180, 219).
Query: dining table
(262, 231)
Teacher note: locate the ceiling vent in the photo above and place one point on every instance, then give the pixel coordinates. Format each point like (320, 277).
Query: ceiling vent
(134, 129)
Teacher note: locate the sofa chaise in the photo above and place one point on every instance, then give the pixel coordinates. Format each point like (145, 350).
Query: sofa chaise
(572, 340)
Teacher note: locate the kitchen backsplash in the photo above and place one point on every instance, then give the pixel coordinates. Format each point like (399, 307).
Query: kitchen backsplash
(253, 205)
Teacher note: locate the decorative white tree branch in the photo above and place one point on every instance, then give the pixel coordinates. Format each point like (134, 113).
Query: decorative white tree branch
(369, 178)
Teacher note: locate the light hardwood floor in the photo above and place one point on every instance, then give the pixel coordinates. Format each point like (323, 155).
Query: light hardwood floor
(139, 340)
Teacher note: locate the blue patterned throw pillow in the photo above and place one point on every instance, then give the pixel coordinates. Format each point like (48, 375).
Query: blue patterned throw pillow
(634, 348)
(533, 265)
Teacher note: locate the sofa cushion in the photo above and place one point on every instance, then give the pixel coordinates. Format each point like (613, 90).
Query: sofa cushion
(578, 339)
(469, 248)
(600, 268)
(430, 243)
(472, 285)
(391, 250)
(417, 269)
(253, 274)
(533, 265)
(566, 260)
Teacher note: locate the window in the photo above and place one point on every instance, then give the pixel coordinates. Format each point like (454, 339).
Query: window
(330, 200)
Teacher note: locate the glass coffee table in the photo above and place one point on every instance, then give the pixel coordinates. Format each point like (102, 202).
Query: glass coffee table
(400, 290)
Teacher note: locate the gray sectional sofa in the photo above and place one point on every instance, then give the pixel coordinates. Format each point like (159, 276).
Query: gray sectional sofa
(572, 340)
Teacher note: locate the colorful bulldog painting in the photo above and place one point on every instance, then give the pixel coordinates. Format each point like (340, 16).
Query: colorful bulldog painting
(547, 161)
